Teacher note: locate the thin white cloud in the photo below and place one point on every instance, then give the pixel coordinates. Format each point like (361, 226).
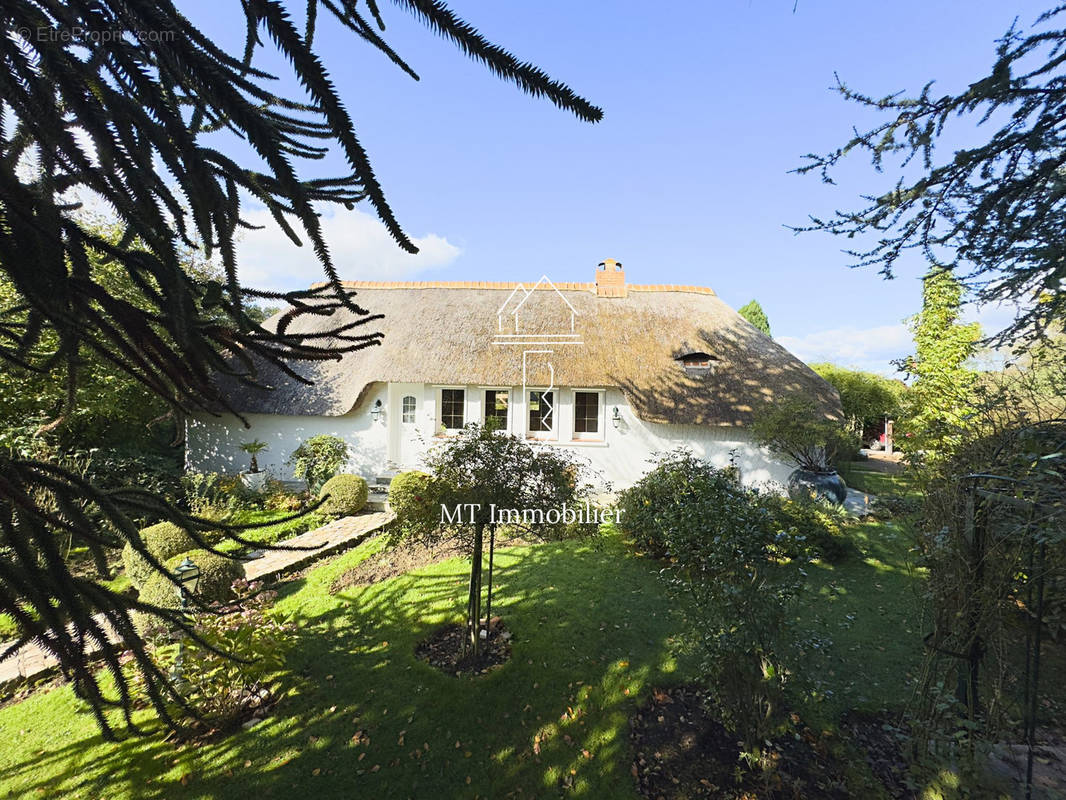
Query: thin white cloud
(871, 349)
(359, 244)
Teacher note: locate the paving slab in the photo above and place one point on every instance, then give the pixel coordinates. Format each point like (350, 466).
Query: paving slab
(859, 504)
(31, 659)
(334, 537)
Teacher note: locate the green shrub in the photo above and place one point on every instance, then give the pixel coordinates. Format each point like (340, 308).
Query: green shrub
(212, 494)
(814, 529)
(164, 540)
(727, 558)
(277, 498)
(797, 429)
(318, 459)
(347, 495)
(415, 498)
(217, 575)
(227, 691)
(650, 507)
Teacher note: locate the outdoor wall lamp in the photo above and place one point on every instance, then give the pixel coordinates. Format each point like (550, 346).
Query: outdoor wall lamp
(187, 576)
(616, 418)
(376, 411)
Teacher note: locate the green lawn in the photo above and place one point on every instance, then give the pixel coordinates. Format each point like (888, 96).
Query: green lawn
(866, 611)
(879, 483)
(593, 632)
(270, 534)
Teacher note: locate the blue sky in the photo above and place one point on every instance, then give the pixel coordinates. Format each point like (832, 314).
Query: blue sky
(708, 106)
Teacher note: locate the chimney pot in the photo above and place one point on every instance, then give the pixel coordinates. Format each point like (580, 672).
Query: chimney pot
(610, 279)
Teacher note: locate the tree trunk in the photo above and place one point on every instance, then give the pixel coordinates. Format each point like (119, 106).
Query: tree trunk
(488, 603)
(473, 609)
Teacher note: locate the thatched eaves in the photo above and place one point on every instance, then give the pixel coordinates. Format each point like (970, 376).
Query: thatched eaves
(449, 333)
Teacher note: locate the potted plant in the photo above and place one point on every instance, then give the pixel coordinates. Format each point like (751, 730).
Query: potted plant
(796, 429)
(253, 478)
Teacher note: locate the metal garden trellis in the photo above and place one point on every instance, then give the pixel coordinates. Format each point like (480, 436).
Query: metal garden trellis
(1024, 511)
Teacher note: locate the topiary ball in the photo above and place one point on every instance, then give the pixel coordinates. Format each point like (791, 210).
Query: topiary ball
(217, 575)
(164, 540)
(347, 495)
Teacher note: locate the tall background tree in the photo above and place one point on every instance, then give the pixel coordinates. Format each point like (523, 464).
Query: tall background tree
(135, 118)
(994, 213)
(754, 314)
(938, 407)
(865, 397)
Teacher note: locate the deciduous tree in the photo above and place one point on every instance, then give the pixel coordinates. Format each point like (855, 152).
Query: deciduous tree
(483, 479)
(940, 400)
(865, 397)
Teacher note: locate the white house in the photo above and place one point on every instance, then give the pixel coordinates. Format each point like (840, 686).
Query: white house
(612, 371)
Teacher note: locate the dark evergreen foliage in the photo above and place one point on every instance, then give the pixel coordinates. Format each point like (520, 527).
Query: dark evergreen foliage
(125, 101)
(994, 213)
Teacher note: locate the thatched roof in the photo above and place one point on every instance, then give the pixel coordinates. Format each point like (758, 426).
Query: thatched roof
(444, 333)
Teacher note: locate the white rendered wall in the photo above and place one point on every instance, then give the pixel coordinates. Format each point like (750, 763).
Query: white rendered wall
(620, 459)
(213, 443)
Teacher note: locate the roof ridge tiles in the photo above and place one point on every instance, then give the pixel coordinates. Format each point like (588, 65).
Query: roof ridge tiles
(572, 286)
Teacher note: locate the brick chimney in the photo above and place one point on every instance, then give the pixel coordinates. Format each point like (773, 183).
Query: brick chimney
(610, 279)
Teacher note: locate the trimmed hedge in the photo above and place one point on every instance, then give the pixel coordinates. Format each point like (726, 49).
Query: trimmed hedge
(217, 575)
(347, 495)
(415, 499)
(163, 540)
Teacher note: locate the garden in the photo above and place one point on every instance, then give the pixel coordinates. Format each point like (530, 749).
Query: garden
(897, 633)
(719, 642)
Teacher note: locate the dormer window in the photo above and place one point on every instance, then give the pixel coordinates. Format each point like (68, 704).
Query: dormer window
(697, 364)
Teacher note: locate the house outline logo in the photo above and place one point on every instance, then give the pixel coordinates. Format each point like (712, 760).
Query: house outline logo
(518, 337)
(536, 344)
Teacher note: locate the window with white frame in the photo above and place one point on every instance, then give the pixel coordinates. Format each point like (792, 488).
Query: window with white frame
(588, 414)
(407, 409)
(497, 405)
(541, 414)
(452, 409)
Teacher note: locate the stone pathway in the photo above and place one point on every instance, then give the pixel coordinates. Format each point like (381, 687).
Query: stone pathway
(859, 504)
(31, 660)
(337, 535)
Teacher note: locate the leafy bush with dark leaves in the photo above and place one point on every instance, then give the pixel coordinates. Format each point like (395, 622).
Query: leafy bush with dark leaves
(228, 691)
(415, 498)
(727, 556)
(814, 529)
(656, 504)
